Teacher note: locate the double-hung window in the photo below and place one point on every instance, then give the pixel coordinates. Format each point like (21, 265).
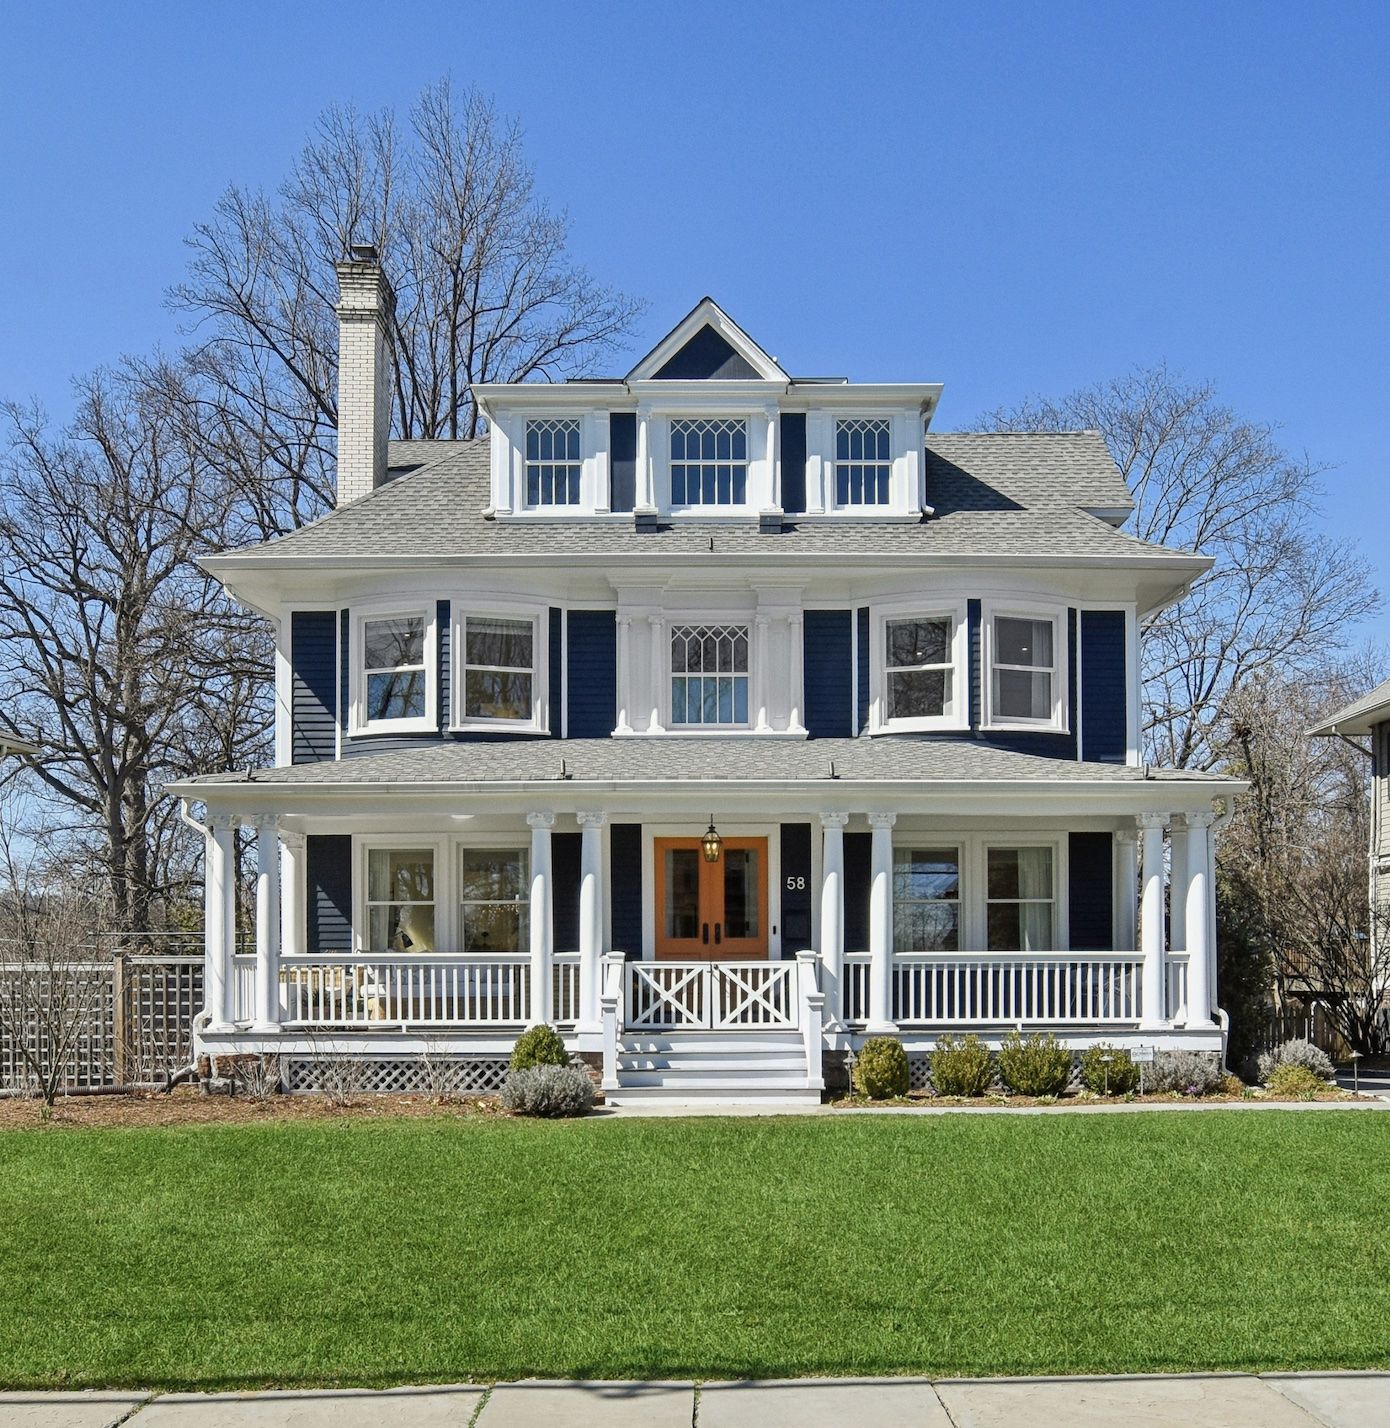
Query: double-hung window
(709, 676)
(926, 899)
(493, 906)
(553, 462)
(400, 900)
(1026, 671)
(709, 462)
(1021, 903)
(919, 668)
(394, 675)
(863, 461)
(497, 669)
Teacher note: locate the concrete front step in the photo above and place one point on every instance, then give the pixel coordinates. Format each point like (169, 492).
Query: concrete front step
(730, 1079)
(712, 1061)
(730, 1043)
(702, 1094)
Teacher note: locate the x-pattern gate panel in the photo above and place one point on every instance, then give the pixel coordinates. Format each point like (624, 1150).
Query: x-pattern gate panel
(713, 996)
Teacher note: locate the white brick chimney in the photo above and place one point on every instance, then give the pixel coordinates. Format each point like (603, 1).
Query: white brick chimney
(366, 304)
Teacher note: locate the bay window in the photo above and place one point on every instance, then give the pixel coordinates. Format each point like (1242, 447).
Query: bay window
(1026, 674)
(918, 670)
(393, 671)
(499, 670)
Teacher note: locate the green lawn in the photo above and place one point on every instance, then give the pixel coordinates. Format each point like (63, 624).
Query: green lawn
(370, 1252)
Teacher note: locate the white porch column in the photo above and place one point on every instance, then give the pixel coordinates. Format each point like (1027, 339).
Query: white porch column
(1126, 890)
(832, 913)
(760, 673)
(219, 919)
(542, 931)
(267, 924)
(292, 900)
(881, 924)
(798, 672)
(590, 920)
(656, 624)
(1198, 910)
(1177, 886)
(624, 673)
(1151, 918)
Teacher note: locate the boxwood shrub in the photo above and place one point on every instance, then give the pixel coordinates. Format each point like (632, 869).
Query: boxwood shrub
(1034, 1065)
(880, 1069)
(961, 1066)
(542, 1045)
(1117, 1076)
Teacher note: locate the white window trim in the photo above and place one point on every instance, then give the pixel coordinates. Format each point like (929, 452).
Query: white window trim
(1025, 610)
(701, 511)
(362, 844)
(1061, 888)
(908, 841)
(875, 508)
(585, 500)
(669, 626)
(539, 723)
(959, 715)
(507, 437)
(498, 843)
(905, 459)
(358, 723)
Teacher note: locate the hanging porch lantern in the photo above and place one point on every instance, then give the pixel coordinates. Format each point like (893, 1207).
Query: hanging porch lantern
(711, 844)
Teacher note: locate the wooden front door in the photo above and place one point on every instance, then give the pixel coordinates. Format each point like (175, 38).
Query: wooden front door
(713, 912)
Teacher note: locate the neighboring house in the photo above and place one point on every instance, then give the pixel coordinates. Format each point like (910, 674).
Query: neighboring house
(1369, 718)
(11, 744)
(717, 716)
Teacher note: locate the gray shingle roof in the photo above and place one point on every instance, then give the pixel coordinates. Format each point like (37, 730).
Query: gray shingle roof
(674, 760)
(994, 494)
(1360, 715)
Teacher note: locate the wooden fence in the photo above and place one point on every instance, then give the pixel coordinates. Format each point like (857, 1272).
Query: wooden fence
(133, 1017)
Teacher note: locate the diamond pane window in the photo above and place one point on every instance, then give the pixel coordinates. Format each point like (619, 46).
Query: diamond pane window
(862, 462)
(1024, 669)
(393, 667)
(918, 674)
(498, 668)
(553, 462)
(709, 675)
(709, 463)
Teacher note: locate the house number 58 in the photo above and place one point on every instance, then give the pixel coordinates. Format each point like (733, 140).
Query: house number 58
(796, 884)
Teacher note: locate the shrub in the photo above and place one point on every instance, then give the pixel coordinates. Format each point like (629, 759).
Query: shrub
(1295, 1083)
(1296, 1053)
(961, 1067)
(540, 1046)
(1116, 1077)
(1191, 1073)
(1034, 1065)
(549, 1090)
(880, 1069)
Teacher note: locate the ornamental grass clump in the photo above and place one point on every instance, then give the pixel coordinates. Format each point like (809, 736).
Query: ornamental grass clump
(1108, 1070)
(1189, 1073)
(540, 1046)
(1296, 1053)
(1034, 1065)
(549, 1091)
(1295, 1083)
(880, 1069)
(961, 1066)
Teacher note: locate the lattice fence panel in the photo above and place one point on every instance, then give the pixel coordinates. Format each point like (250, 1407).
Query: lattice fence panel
(396, 1075)
(35, 999)
(162, 996)
(918, 1072)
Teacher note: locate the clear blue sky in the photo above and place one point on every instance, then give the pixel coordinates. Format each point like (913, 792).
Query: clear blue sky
(1010, 198)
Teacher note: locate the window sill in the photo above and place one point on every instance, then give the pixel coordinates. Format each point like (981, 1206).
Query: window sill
(716, 733)
(1023, 726)
(394, 726)
(920, 726)
(501, 726)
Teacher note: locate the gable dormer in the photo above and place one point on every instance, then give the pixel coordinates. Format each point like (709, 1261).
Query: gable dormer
(708, 426)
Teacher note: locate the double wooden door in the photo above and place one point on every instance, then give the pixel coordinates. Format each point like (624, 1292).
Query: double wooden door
(714, 912)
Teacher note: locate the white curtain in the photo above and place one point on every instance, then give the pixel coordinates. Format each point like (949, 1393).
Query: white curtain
(1035, 886)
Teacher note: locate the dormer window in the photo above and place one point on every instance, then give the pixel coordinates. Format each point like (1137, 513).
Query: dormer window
(863, 461)
(554, 461)
(709, 462)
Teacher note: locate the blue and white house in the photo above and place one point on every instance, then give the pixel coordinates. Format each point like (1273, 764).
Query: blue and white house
(719, 717)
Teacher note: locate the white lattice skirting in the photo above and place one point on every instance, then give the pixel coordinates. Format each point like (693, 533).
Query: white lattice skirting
(398, 1075)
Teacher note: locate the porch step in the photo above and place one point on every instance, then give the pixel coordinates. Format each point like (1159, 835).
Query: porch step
(713, 1095)
(705, 1066)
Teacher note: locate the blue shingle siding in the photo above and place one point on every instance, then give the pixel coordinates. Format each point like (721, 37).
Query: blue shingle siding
(557, 668)
(622, 460)
(796, 888)
(328, 906)
(1104, 711)
(1090, 897)
(564, 873)
(313, 695)
(862, 672)
(858, 875)
(793, 440)
(707, 355)
(625, 879)
(444, 634)
(828, 663)
(593, 673)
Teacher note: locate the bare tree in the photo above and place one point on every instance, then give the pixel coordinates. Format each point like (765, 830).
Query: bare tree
(1281, 596)
(120, 658)
(486, 291)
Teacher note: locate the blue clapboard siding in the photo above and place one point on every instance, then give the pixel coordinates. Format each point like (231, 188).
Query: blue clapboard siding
(862, 673)
(625, 881)
(564, 874)
(793, 442)
(1056, 746)
(622, 460)
(557, 668)
(828, 662)
(344, 630)
(1090, 898)
(313, 696)
(858, 874)
(796, 888)
(445, 635)
(1104, 715)
(593, 673)
(328, 905)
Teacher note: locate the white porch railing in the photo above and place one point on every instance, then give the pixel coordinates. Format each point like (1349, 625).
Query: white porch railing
(715, 996)
(993, 988)
(1175, 986)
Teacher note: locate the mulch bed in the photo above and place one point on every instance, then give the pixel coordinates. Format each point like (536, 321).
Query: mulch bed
(925, 1100)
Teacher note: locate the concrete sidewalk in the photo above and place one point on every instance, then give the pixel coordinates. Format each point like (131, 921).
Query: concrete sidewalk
(1311, 1400)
